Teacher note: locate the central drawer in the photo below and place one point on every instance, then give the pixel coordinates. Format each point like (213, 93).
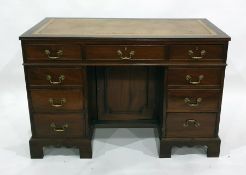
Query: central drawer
(57, 100)
(186, 100)
(125, 52)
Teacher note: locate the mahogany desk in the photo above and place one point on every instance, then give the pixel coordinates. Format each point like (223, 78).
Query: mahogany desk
(161, 73)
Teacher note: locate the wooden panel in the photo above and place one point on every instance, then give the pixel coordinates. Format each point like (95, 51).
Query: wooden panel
(209, 103)
(127, 93)
(72, 124)
(110, 52)
(41, 100)
(195, 77)
(181, 52)
(55, 77)
(178, 125)
(36, 52)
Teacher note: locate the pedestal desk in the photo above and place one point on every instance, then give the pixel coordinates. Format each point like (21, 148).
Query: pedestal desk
(87, 73)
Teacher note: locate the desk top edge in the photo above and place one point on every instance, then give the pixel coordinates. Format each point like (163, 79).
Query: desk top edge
(216, 33)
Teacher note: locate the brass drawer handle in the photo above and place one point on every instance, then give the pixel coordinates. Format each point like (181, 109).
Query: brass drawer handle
(59, 53)
(60, 78)
(202, 53)
(189, 79)
(120, 53)
(59, 103)
(193, 104)
(58, 129)
(191, 121)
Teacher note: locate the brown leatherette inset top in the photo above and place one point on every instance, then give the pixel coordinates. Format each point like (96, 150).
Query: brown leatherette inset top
(107, 27)
(125, 28)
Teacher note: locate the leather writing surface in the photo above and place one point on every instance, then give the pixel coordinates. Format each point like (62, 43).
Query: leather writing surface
(124, 27)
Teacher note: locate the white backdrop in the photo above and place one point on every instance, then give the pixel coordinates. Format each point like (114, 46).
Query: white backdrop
(120, 151)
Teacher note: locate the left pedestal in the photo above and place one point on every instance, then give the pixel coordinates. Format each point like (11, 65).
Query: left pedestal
(58, 106)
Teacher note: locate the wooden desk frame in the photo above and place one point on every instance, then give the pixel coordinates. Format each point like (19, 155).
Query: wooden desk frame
(170, 98)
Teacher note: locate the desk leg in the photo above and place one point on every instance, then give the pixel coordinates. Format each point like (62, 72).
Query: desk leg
(213, 149)
(165, 149)
(36, 149)
(85, 150)
(166, 144)
(37, 144)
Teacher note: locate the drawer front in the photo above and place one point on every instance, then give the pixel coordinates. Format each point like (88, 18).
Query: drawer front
(196, 52)
(124, 52)
(193, 100)
(56, 52)
(54, 100)
(194, 77)
(55, 76)
(62, 125)
(190, 125)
